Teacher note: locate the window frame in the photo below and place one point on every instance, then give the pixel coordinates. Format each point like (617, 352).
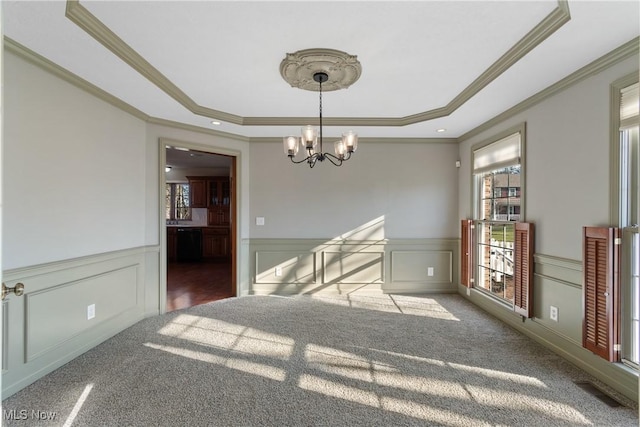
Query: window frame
(475, 203)
(618, 215)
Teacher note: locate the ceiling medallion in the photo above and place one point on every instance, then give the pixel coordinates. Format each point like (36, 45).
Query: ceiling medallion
(299, 68)
(318, 70)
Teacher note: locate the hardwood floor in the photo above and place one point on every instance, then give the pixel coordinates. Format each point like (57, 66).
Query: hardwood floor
(193, 283)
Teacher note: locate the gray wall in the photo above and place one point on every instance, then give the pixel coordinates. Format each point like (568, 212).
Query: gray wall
(74, 167)
(567, 187)
(411, 188)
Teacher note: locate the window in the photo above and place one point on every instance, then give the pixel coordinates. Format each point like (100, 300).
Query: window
(501, 246)
(177, 201)
(627, 155)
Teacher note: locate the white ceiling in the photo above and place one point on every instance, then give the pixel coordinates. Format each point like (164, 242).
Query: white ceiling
(416, 56)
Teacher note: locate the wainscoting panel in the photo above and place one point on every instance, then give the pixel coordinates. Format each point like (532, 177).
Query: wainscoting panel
(56, 314)
(278, 267)
(557, 282)
(353, 267)
(422, 266)
(48, 326)
(345, 266)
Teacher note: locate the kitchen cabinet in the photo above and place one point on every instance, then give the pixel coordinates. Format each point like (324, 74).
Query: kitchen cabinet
(219, 201)
(198, 187)
(219, 191)
(172, 244)
(215, 243)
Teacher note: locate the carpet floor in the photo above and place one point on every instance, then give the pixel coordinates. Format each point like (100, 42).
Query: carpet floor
(387, 360)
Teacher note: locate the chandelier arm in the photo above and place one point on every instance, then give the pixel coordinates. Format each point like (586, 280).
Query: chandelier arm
(299, 161)
(337, 161)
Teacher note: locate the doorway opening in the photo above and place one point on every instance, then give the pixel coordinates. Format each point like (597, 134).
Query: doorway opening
(200, 200)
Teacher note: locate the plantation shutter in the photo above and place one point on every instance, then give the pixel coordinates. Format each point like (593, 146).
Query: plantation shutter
(600, 329)
(523, 269)
(466, 247)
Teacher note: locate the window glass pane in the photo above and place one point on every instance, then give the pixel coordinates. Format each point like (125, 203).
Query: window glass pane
(495, 259)
(168, 202)
(177, 202)
(183, 210)
(500, 194)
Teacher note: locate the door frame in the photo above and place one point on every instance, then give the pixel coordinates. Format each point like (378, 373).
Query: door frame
(234, 209)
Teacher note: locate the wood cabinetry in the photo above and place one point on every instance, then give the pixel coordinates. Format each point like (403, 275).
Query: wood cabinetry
(198, 187)
(213, 193)
(219, 201)
(215, 242)
(172, 243)
(219, 191)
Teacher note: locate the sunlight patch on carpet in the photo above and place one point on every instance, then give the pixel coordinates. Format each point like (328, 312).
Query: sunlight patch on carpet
(505, 399)
(229, 336)
(389, 303)
(76, 408)
(235, 363)
(500, 375)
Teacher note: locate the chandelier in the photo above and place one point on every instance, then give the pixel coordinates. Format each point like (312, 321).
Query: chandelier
(340, 70)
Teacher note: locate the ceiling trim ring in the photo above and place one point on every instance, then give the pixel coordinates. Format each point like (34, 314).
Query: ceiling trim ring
(299, 68)
(101, 33)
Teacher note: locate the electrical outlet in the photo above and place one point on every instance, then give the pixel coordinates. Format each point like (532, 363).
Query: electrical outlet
(91, 311)
(430, 271)
(553, 313)
(259, 220)
(278, 271)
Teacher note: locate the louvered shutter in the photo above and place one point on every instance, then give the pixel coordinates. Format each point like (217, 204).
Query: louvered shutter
(600, 329)
(466, 248)
(523, 271)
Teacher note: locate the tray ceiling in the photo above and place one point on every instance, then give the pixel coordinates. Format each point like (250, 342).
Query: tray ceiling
(426, 65)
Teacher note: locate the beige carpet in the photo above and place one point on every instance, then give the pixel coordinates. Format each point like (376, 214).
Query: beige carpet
(319, 361)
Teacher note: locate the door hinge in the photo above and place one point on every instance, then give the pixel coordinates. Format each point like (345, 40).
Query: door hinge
(471, 280)
(617, 241)
(617, 347)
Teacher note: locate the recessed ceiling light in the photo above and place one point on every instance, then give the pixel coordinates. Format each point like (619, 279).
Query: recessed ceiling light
(215, 123)
(441, 130)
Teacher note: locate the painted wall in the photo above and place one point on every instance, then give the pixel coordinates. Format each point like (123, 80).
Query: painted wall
(567, 162)
(567, 187)
(74, 221)
(410, 188)
(74, 167)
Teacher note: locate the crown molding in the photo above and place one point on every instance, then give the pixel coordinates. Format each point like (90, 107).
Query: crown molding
(198, 129)
(617, 55)
(64, 74)
(101, 33)
(372, 140)
(79, 15)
